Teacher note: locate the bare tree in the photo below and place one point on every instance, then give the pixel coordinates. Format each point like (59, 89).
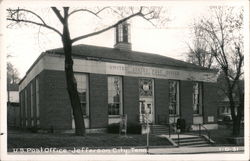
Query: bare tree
(222, 32)
(199, 53)
(12, 74)
(20, 15)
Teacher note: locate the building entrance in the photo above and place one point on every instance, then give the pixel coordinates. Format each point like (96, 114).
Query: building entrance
(146, 100)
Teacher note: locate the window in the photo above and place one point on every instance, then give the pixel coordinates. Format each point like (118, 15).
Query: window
(114, 95)
(123, 33)
(26, 107)
(37, 102)
(173, 97)
(197, 98)
(21, 109)
(82, 88)
(31, 105)
(120, 33)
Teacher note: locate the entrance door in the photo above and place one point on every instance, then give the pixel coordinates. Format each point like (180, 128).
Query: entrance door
(146, 100)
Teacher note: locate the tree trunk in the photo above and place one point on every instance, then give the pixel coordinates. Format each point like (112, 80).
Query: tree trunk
(236, 118)
(71, 82)
(240, 110)
(236, 126)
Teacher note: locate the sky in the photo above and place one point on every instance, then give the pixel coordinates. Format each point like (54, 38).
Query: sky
(26, 43)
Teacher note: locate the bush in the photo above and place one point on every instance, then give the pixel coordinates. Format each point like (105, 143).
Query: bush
(131, 128)
(114, 128)
(33, 129)
(134, 129)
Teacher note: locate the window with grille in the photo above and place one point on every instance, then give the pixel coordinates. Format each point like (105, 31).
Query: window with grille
(32, 104)
(82, 88)
(37, 103)
(197, 98)
(114, 95)
(123, 33)
(173, 97)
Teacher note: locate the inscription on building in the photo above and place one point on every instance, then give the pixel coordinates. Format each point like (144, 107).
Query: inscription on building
(98, 67)
(131, 70)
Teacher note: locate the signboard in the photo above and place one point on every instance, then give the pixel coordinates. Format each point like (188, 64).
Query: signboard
(163, 73)
(210, 118)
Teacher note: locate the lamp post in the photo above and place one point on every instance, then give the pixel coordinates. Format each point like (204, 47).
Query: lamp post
(147, 110)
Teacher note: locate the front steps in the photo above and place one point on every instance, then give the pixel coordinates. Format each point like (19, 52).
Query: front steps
(160, 129)
(191, 140)
(184, 139)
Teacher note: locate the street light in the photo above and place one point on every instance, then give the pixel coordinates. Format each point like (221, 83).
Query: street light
(147, 110)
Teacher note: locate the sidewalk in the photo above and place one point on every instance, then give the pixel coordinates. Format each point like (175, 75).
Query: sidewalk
(197, 150)
(134, 150)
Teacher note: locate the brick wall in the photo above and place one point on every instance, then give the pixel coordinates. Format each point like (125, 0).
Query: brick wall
(34, 102)
(55, 108)
(161, 100)
(186, 103)
(98, 100)
(21, 96)
(210, 101)
(131, 98)
(28, 104)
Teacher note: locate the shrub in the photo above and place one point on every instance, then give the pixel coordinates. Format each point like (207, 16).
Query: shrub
(134, 129)
(33, 129)
(114, 128)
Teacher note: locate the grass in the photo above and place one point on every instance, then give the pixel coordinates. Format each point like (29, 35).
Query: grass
(69, 141)
(222, 135)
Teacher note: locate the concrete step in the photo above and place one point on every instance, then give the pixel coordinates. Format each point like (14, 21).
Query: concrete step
(192, 141)
(159, 129)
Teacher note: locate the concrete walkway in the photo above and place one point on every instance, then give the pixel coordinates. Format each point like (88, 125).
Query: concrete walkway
(197, 150)
(137, 151)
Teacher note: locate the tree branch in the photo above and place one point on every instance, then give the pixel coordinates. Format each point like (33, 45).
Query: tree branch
(58, 14)
(35, 23)
(89, 11)
(15, 11)
(105, 29)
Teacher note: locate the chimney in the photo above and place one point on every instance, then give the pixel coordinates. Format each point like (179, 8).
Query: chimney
(122, 37)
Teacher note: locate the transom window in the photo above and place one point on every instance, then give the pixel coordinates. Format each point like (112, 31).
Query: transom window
(197, 98)
(173, 97)
(114, 95)
(82, 88)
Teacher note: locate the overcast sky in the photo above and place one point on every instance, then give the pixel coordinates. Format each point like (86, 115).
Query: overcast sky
(25, 44)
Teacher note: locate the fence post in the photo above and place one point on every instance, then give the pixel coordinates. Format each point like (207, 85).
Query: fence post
(169, 130)
(178, 139)
(208, 135)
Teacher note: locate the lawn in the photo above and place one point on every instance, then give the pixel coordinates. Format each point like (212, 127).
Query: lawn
(69, 141)
(222, 135)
